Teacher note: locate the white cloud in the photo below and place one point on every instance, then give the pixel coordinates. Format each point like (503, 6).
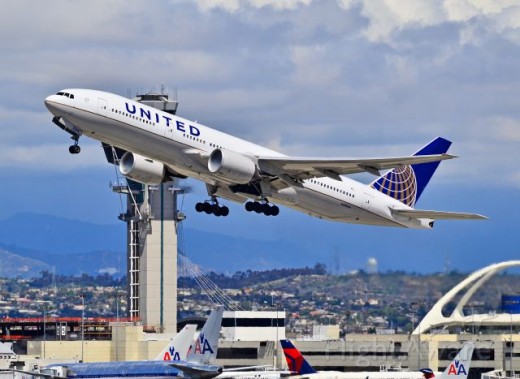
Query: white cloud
(506, 130)
(279, 4)
(228, 5)
(234, 5)
(387, 18)
(314, 68)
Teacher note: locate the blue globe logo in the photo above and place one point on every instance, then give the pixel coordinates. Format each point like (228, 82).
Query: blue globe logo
(400, 183)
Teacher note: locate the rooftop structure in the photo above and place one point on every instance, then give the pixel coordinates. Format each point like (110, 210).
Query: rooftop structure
(435, 318)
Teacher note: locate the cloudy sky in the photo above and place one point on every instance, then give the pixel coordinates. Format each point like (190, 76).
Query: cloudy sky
(329, 78)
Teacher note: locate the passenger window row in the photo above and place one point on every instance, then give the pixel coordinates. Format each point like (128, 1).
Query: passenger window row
(133, 117)
(332, 188)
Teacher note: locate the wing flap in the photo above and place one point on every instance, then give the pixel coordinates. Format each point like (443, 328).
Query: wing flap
(437, 215)
(305, 168)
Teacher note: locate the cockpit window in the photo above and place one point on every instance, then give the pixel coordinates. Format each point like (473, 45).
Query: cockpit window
(69, 95)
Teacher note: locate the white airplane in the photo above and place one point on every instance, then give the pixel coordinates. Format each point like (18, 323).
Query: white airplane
(457, 369)
(159, 146)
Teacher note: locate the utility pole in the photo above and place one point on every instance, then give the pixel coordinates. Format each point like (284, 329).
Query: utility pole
(82, 325)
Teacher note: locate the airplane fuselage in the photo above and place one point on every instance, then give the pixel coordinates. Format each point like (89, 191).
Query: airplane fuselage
(180, 143)
(134, 369)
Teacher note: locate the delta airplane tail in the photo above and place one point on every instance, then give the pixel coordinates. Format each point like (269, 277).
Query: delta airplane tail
(178, 348)
(459, 367)
(295, 360)
(204, 348)
(406, 183)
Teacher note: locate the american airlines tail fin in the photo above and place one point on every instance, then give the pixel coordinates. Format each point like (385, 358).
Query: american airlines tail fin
(205, 345)
(179, 345)
(406, 183)
(295, 360)
(459, 367)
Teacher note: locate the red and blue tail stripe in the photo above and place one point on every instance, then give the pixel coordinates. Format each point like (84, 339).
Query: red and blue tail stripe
(295, 360)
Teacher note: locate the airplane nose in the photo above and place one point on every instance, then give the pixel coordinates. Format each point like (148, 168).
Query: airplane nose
(51, 105)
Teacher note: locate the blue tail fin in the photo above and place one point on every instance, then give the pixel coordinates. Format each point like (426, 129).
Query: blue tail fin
(406, 183)
(295, 360)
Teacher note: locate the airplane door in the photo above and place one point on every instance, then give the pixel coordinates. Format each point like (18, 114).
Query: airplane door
(168, 133)
(367, 199)
(102, 107)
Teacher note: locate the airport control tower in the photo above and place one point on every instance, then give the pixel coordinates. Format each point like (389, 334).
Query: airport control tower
(151, 217)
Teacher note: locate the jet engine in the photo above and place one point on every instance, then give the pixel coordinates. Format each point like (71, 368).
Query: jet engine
(232, 166)
(141, 169)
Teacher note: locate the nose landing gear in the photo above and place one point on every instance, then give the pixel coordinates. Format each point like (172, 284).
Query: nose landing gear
(75, 149)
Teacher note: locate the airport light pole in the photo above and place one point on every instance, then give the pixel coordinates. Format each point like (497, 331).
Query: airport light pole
(511, 344)
(117, 325)
(82, 325)
(44, 329)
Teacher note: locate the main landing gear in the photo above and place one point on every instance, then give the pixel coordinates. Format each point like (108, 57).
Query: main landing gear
(212, 207)
(265, 208)
(75, 149)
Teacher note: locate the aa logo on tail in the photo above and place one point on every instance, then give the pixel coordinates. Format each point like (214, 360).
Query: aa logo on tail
(202, 345)
(457, 368)
(171, 355)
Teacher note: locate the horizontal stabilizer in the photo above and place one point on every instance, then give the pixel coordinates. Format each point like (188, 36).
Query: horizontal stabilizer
(437, 215)
(198, 371)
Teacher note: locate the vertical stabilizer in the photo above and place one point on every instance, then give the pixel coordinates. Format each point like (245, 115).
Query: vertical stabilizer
(179, 345)
(205, 345)
(407, 183)
(459, 367)
(295, 360)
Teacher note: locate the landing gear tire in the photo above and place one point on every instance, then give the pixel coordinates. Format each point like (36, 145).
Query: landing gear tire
(74, 149)
(265, 208)
(212, 208)
(224, 211)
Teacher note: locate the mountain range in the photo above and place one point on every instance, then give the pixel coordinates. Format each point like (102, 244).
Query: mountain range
(31, 243)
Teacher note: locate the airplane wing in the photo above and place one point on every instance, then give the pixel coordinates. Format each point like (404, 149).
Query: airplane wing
(197, 371)
(437, 215)
(305, 168)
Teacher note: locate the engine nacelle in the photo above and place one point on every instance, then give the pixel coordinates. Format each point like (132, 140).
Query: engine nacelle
(141, 169)
(232, 166)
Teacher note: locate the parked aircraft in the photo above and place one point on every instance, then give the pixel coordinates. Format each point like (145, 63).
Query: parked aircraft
(457, 369)
(158, 146)
(205, 346)
(171, 362)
